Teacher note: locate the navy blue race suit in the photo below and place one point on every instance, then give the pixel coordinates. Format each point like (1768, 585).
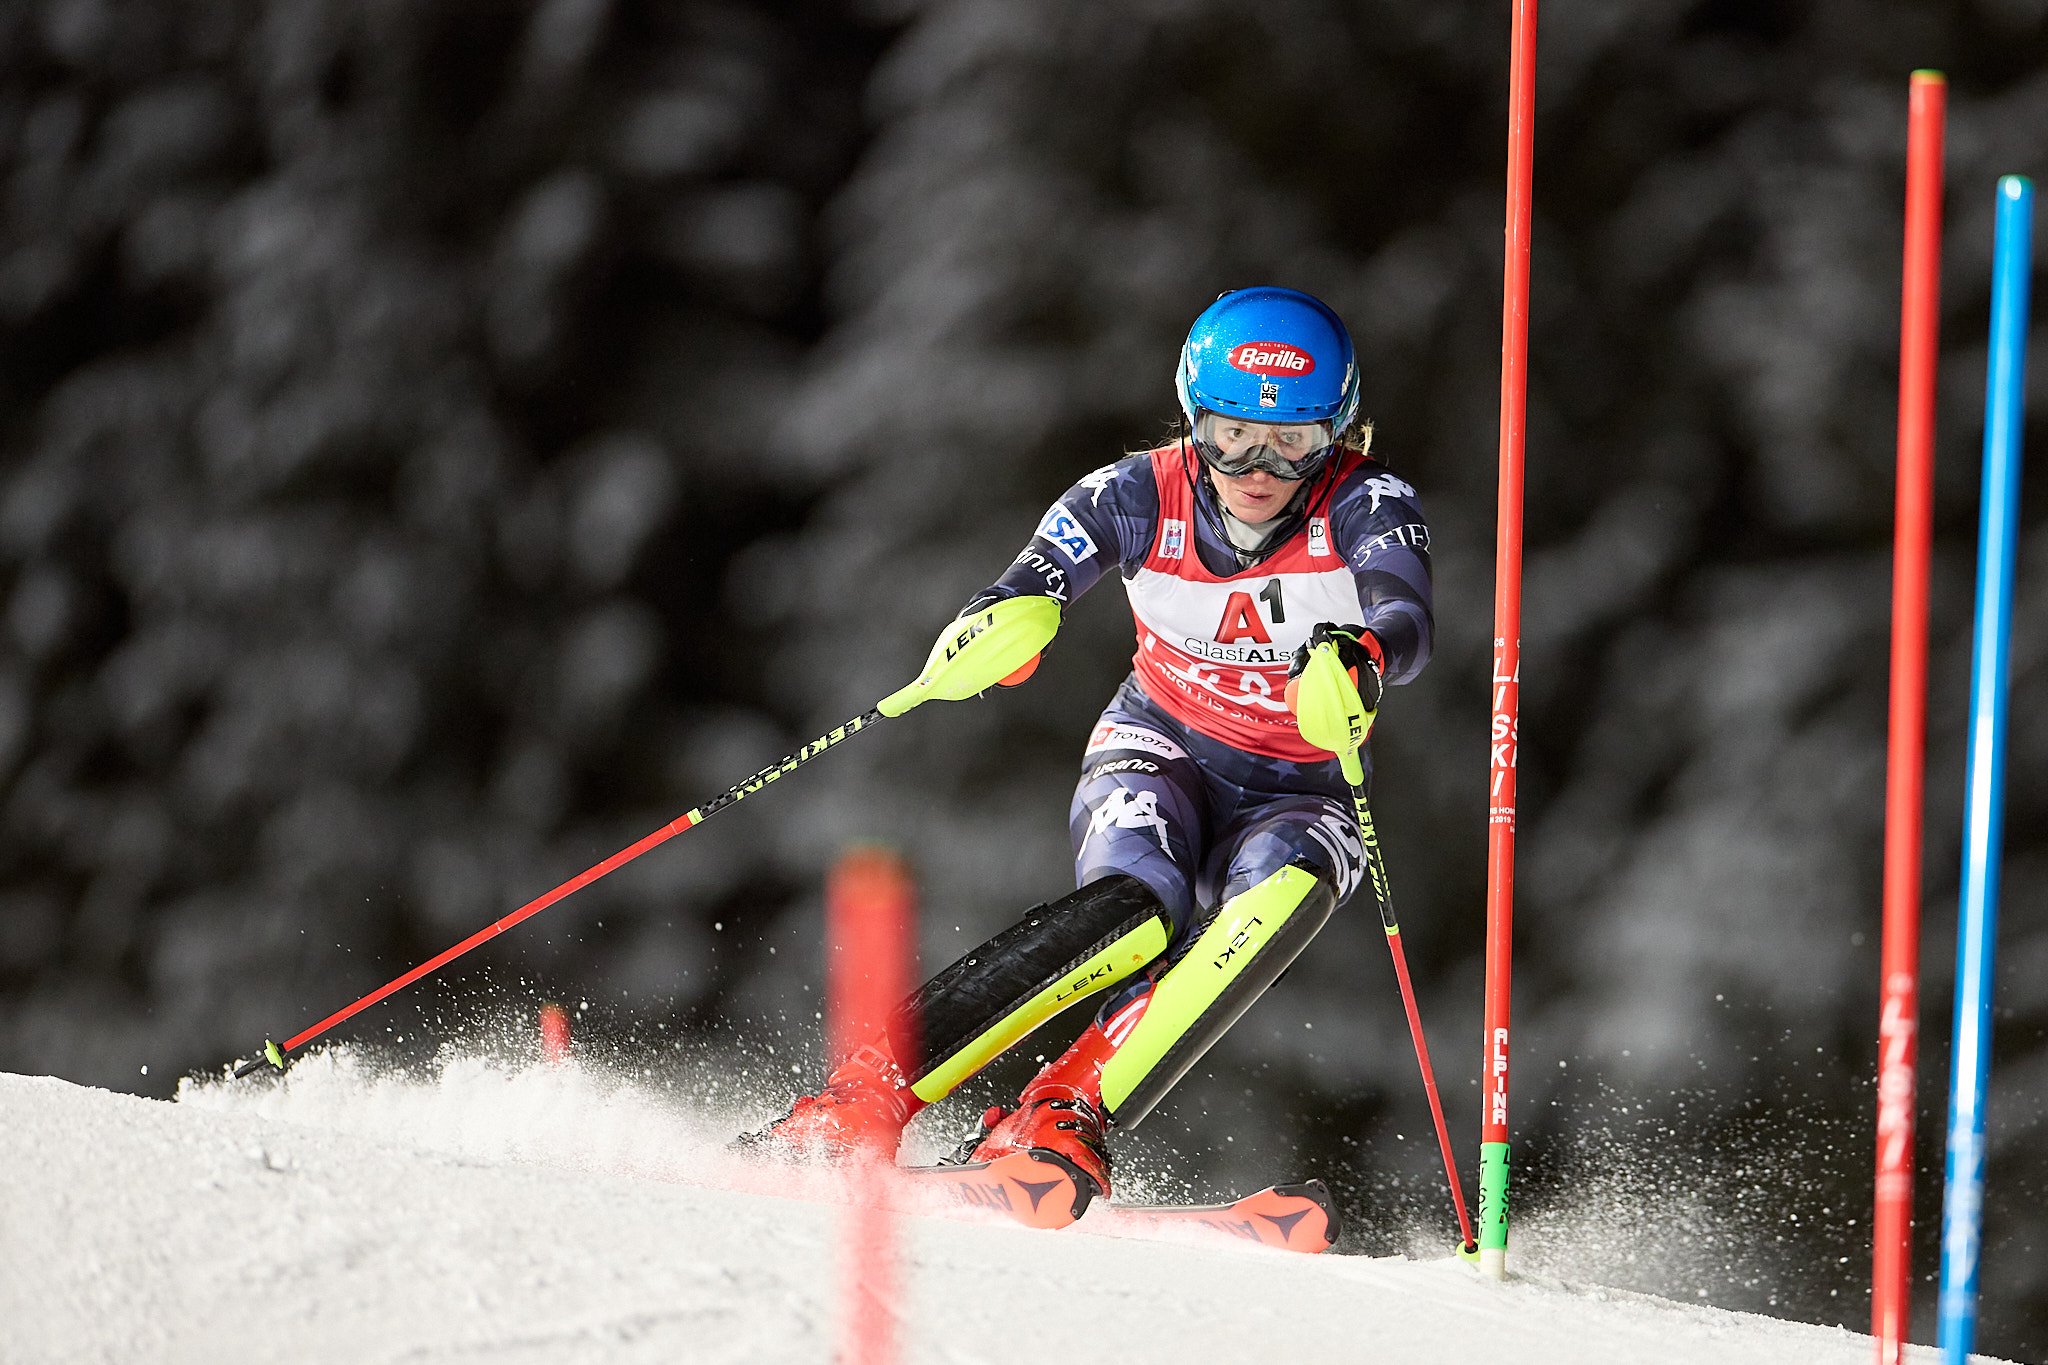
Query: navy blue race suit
(1196, 781)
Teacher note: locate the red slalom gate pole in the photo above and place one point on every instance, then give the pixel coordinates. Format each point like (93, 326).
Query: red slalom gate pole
(554, 1034)
(1507, 645)
(1891, 1252)
(870, 913)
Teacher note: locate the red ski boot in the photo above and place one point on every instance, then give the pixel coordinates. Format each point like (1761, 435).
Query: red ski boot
(1059, 1114)
(866, 1101)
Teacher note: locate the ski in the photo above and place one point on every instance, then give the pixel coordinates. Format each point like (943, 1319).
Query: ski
(1042, 1190)
(1290, 1217)
(1037, 1189)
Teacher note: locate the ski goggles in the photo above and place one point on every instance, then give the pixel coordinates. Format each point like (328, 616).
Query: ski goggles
(1236, 446)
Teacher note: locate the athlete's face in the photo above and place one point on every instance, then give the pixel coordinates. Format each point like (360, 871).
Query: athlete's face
(1260, 496)
(1255, 497)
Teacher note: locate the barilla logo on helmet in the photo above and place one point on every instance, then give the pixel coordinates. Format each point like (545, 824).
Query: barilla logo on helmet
(1271, 357)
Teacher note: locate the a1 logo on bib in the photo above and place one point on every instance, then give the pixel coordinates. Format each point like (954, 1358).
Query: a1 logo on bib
(1319, 537)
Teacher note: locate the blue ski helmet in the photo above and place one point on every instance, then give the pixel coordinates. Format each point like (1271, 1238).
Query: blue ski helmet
(1273, 355)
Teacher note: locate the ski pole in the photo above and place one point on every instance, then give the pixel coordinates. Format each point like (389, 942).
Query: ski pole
(1383, 897)
(993, 644)
(274, 1053)
(1333, 716)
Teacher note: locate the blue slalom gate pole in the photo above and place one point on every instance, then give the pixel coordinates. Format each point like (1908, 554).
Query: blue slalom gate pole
(1962, 1216)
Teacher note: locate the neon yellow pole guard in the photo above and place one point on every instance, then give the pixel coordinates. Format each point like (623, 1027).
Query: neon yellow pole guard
(978, 651)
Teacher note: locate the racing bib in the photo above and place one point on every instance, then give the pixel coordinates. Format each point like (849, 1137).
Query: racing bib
(1214, 650)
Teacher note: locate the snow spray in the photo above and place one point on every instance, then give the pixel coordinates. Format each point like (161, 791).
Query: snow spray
(1962, 1213)
(1696, 1195)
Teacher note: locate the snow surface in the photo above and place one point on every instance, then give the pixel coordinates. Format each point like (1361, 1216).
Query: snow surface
(510, 1214)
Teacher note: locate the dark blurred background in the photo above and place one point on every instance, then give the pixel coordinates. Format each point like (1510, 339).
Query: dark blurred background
(444, 440)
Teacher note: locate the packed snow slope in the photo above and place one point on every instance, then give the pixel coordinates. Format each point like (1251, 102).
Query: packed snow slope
(513, 1215)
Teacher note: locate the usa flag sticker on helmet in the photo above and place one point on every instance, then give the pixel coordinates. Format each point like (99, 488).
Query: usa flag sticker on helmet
(1272, 357)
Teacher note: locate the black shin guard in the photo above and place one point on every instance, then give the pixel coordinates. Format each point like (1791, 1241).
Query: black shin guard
(1253, 938)
(1057, 954)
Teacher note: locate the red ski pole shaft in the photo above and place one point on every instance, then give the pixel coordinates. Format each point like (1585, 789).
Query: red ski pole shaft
(274, 1054)
(1383, 898)
(1436, 1106)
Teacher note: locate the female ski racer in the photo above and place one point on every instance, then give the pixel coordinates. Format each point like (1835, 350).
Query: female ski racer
(1211, 839)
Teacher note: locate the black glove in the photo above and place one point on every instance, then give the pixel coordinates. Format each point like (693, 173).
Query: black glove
(1357, 650)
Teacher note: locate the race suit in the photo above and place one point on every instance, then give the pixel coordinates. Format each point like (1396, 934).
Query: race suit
(1196, 780)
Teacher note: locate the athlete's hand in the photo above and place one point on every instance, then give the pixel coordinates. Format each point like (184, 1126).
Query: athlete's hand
(1030, 667)
(1328, 685)
(993, 645)
(1357, 649)
(979, 604)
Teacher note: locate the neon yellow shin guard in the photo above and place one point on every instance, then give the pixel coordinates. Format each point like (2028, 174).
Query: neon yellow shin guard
(1253, 938)
(1055, 956)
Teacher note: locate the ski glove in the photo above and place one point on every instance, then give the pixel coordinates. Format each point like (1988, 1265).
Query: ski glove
(983, 602)
(1358, 649)
(994, 644)
(1334, 687)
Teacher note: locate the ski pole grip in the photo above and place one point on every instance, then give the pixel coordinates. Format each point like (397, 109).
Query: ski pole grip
(980, 650)
(1329, 710)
